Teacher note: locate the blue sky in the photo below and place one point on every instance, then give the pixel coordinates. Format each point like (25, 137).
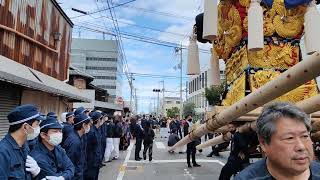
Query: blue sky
(143, 57)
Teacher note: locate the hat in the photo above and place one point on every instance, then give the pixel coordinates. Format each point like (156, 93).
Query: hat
(52, 114)
(50, 123)
(95, 115)
(79, 110)
(69, 114)
(80, 118)
(24, 113)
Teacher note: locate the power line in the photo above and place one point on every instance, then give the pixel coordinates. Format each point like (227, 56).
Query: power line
(100, 10)
(143, 27)
(144, 39)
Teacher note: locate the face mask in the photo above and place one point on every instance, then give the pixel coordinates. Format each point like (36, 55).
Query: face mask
(55, 139)
(36, 132)
(86, 130)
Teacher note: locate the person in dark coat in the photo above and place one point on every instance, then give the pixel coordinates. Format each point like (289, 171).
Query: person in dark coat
(93, 150)
(75, 147)
(173, 139)
(103, 132)
(15, 163)
(148, 141)
(117, 134)
(237, 157)
(51, 158)
(138, 133)
(191, 147)
(68, 125)
(109, 135)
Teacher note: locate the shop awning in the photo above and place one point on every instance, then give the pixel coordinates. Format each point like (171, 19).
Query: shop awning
(16, 73)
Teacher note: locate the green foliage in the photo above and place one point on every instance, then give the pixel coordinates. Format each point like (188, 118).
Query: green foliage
(189, 109)
(214, 94)
(173, 112)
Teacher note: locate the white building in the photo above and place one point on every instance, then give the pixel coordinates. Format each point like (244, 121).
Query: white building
(169, 103)
(100, 59)
(196, 90)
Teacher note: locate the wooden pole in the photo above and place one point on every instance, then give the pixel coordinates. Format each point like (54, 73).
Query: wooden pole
(292, 78)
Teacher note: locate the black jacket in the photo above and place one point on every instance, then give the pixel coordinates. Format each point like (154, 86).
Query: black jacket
(109, 130)
(148, 136)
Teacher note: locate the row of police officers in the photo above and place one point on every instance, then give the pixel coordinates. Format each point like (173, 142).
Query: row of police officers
(38, 147)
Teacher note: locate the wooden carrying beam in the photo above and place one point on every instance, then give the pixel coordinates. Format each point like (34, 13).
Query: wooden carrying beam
(292, 78)
(309, 106)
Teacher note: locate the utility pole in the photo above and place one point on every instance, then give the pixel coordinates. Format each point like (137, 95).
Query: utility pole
(181, 106)
(130, 84)
(163, 112)
(136, 100)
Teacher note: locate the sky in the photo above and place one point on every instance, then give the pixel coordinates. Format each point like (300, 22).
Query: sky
(172, 17)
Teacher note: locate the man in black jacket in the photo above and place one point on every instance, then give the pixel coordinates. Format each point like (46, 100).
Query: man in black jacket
(191, 147)
(138, 133)
(109, 135)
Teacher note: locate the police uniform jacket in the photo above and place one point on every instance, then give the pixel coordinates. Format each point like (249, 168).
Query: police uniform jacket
(74, 146)
(94, 147)
(66, 130)
(52, 163)
(13, 159)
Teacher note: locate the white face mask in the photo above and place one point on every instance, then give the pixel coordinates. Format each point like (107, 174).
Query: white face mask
(55, 139)
(86, 130)
(36, 132)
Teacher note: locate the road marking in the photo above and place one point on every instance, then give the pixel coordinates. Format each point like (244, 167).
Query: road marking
(179, 161)
(160, 145)
(125, 163)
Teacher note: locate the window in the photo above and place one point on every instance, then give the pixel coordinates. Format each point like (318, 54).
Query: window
(101, 59)
(206, 78)
(101, 68)
(106, 77)
(168, 102)
(177, 102)
(106, 87)
(202, 80)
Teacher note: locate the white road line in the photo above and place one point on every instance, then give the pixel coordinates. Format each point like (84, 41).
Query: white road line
(125, 163)
(160, 145)
(180, 161)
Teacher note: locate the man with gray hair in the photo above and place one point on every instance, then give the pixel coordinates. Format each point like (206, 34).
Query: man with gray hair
(284, 136)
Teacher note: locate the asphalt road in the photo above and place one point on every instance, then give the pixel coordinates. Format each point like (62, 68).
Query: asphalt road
(166, 166)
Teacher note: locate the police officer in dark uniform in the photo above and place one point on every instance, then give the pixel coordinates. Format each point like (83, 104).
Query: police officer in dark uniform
(94, 148)
(103, 132)
(75, 145)
(52, 159)
(67, 126)
(15, 163)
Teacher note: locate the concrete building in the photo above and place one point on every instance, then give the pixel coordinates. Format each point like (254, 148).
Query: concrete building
(170, 102)
(100, 59)
(196, 90)
(34, 58)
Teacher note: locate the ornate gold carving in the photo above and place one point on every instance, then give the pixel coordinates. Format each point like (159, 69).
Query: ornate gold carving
(281, 56)
(236, 64)
(236, 92)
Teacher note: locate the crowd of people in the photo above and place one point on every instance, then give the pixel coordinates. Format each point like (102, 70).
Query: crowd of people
(73, 147)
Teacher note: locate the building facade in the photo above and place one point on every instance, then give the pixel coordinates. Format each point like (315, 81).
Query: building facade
(196, 90)
(100, 59)
(169, 103)
(35, 42)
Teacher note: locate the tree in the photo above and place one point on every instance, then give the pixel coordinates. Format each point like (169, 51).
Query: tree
(189, 109)
(173, 112)
(214, 94)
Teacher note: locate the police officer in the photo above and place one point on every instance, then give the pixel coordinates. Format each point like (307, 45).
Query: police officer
(103, 132)
(52, 159)
(52, 114)
(94, 148)
(68, 125)
(75, 145)
(15, 163)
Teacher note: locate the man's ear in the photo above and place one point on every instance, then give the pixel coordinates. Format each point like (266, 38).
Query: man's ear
(262, 144)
